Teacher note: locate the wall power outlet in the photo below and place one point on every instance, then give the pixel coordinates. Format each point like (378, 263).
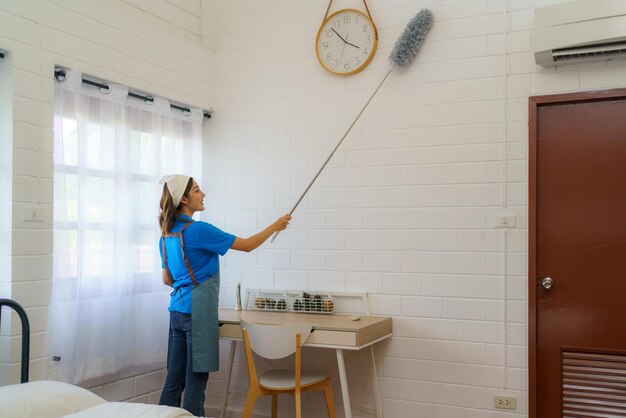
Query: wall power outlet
(505, 402)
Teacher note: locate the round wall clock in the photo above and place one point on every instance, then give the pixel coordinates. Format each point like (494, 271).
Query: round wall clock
(346, 42)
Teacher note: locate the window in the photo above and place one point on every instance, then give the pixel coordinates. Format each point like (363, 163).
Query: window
(109, 306)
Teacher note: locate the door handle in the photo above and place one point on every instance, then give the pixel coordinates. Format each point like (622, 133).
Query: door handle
(547, 283)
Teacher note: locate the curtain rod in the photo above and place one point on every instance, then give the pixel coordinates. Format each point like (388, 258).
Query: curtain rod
(60, 75)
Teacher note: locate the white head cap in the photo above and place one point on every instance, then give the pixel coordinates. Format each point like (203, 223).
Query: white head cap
(176, 185)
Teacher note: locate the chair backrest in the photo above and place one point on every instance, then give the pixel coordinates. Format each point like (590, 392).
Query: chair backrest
(274, 341)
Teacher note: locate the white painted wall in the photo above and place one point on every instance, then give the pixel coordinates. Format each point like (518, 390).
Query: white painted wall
(404, 211)
(152, 46)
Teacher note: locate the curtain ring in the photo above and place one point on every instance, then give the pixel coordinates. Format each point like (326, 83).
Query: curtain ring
(149, 100)
(105, 90)
(186, 112)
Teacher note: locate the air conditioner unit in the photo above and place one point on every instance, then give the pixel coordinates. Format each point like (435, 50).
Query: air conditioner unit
(580, 31)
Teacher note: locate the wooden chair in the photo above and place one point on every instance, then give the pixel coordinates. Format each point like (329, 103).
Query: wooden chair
(275, 342)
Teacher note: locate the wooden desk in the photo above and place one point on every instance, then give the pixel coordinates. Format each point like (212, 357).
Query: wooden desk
(329, 331)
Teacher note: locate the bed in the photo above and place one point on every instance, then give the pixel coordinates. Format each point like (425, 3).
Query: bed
(50, 399)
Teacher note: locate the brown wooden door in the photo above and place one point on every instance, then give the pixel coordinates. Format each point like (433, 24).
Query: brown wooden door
(577, 180)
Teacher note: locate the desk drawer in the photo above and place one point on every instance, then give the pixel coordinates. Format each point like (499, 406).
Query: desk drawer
(332, 338)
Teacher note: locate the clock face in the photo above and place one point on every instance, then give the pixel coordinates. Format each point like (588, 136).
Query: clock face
(346, 42)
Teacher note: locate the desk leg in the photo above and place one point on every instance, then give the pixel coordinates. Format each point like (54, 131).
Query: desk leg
(343, 379)
(377, 405)
(229, 371)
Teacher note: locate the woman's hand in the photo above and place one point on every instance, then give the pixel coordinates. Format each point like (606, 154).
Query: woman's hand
(252, 243)
(282, 222)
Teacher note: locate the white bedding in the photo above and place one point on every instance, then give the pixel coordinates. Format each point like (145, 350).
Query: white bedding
(135, 410)
(48, 399)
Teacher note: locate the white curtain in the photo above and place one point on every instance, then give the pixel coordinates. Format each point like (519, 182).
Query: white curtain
(109, 307)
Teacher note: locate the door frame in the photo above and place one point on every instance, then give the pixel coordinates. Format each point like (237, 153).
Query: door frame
(534, 103)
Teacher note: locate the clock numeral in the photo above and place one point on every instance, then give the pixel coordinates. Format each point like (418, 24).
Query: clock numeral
(365, 51)
(329, 33)
(365, 28)
(369, 38)
(328, 57)
(346, 19)
(346, 66)
(336, 24)
(325, 44)
(358, 60)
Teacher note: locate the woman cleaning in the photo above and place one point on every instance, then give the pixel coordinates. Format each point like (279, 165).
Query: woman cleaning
(190, 253)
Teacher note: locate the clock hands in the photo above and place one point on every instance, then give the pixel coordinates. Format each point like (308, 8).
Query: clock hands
(336, 33)
(341, 56)
(357, 47)
(345, 41)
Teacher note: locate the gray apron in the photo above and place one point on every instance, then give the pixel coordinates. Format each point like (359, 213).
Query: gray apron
(205, 331)
(204, 314)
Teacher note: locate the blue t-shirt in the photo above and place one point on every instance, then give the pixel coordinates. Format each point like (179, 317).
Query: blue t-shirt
(203, 244)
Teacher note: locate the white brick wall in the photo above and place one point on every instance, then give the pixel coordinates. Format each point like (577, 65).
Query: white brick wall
(404, 210)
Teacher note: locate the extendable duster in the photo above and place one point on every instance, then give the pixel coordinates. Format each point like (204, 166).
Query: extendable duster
(403, 54)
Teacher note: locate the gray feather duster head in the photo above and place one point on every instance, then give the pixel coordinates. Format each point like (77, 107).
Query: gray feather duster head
(411, 40)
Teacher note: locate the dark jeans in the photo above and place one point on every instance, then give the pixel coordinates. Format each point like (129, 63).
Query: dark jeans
(179, 373)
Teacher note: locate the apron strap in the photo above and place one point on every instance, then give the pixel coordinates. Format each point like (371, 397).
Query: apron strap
(182, 245)
(179, 235)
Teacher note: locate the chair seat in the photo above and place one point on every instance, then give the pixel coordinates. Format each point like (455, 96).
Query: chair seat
(285, 379)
